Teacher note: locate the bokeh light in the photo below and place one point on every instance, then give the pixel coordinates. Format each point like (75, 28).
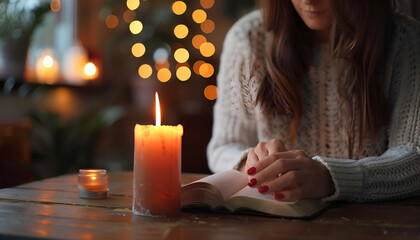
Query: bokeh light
(164, 75)
(90, 70)
(55, 5)
(111, 21)
(181, 55)
(129, 16)
(48, 61)
(181, 31)
(207, 3)
(136, 27)
(207, 26)
(160, 55)
(206, 70)
(211, 92)
(199, 16)
(197, 40)
(183, 73)
(145, 71)
(207, 49)
(179, 7)
(197, 65)
(161, 64)
(138, 49)
(133, 4)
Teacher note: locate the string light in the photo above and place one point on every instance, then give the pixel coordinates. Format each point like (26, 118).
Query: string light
(207, 3)
(181, 31)
(183, 73)
(207, 26)
(211, 92)
(206, 70)
(136, 27)
(181, 55)
(164, 75)
(145, 71)
(199, 16)
(133, 4)
(207, 49)
(111, 21)
(197, 40)
(55, 5)
(179, 7)
(138, 49)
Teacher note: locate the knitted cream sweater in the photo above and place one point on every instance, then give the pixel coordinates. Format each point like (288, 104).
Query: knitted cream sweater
(387, 168)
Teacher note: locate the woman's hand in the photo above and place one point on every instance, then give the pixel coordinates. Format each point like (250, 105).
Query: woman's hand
(262, 150)
(290, 175)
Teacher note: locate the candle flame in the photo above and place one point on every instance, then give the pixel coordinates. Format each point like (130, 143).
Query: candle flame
(157, 110)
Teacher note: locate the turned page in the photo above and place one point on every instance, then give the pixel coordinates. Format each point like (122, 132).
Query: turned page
(228, 182)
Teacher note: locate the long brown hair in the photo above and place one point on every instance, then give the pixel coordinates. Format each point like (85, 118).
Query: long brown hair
(357, 38)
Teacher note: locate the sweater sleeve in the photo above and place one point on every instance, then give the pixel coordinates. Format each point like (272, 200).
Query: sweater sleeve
(396, 173)
(234, 128)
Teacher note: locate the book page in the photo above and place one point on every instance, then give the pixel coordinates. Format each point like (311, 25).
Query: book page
(253, 193)
(228, 182)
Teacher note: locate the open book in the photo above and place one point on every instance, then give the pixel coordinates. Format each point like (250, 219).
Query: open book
(229, 190)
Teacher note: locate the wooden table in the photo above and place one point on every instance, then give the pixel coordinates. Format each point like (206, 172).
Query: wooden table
(51, 208)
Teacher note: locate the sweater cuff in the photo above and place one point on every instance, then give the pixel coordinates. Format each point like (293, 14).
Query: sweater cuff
(347, 176)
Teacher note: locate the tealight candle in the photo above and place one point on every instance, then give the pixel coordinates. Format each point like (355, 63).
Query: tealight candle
(93, 183)
(157, 168)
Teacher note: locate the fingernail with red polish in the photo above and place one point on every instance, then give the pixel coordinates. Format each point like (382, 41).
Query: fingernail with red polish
(252, 182)
(252, 171)
(263, 189)
(278, 196)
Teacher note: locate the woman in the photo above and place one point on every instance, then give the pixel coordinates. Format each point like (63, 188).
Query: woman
(321, 99)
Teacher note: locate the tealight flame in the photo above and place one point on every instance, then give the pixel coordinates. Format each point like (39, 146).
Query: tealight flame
(157, 110)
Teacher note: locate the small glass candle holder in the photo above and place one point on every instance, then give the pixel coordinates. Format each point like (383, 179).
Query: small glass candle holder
(93, 183)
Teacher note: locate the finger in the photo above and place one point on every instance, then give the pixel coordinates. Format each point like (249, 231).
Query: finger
(272, 166)
(251, 160)
(291, 179)
(261, 150)
(290, 195)
(275, 145)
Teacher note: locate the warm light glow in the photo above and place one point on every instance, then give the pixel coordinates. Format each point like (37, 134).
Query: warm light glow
(164, 75)
(111, 21)
(55, 5)
(181, 55)
(196, 66)
(207, 3)
(93, 178)
(133, 4)
(206, 70)
(90, 70)
(207, 49)
(211, 92)
(207, 26)
(179, 7)
(197, 40)
(47, 69)
(161, 64)
(138, 49)
(145, 71)
(183, 73)
(136, 27)
(199, 16)
(158, 117)
(181, 31)
(129, 15)
(48, 61)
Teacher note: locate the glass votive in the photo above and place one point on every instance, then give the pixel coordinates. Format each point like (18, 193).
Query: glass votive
(93, 183)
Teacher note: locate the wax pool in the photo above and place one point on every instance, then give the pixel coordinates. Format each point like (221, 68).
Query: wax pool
(157, 170)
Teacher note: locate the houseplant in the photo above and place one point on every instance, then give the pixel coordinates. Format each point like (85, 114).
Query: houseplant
(18, 20)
